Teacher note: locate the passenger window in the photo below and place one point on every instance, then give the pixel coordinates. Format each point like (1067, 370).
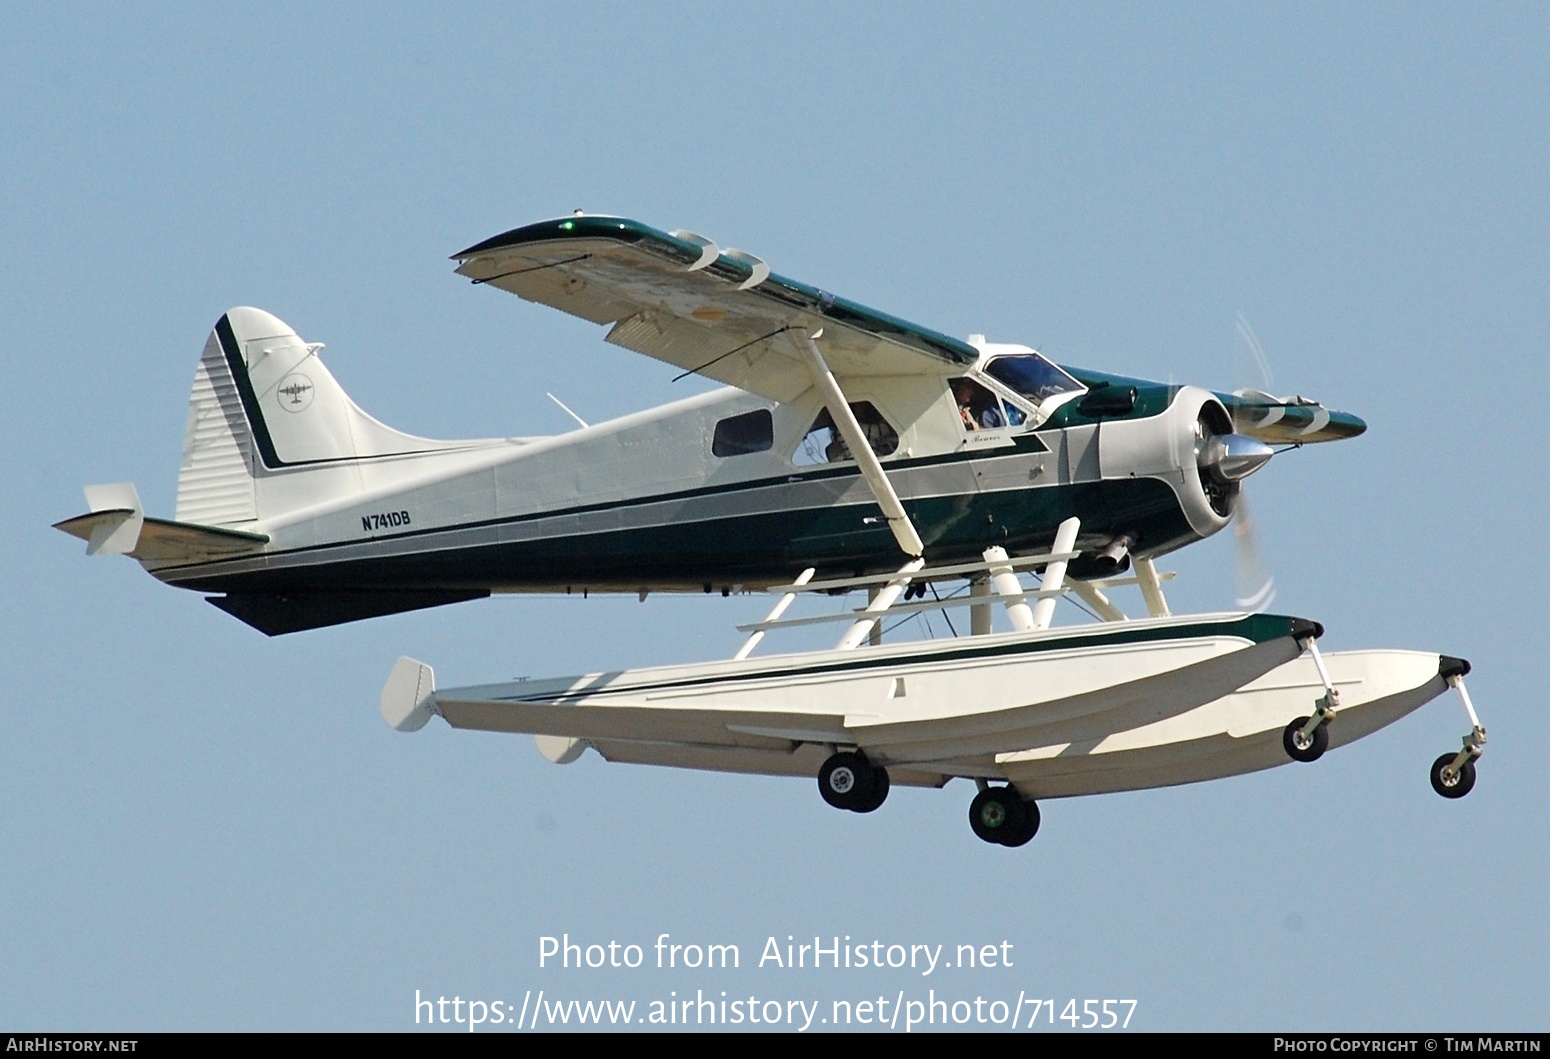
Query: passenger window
(823, 443)
(744, 434)
(979, 409)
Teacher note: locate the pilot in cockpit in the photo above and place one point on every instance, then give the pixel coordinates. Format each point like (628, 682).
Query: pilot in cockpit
(977, 407)
(963, 391)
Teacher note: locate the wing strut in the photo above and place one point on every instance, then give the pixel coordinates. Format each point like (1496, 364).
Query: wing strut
(866, 459)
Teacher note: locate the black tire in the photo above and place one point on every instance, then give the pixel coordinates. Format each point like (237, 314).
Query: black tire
(879, 794)
(1029, 829)
(845, 780)
(1463, 782)
(1299, 750)
(996, 812)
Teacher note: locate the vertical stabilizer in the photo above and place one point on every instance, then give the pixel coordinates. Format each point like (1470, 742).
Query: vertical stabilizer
(263, 406)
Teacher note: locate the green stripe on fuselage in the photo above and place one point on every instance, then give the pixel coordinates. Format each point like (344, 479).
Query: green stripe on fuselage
(749, 549)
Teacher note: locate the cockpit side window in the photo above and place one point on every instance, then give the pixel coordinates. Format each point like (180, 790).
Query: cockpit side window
(744, 434)
(979, 409)
(824, 444)
(1031, 375)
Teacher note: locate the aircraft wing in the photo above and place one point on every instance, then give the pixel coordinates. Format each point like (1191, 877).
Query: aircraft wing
(717, 312)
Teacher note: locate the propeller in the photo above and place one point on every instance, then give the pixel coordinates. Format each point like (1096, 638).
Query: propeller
(1256, 588)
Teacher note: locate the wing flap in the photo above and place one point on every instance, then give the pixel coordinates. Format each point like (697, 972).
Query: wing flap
(756, 365)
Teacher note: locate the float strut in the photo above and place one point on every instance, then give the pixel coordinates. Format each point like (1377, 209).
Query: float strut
(1006, 584)
(1324, 709)
(1474, 742)
(879, 604)
(980, 617)
(1055, 573)
(1151, 587)
(774, 615)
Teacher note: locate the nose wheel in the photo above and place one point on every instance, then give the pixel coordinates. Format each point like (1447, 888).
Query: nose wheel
(847, 780)
(1000, 816)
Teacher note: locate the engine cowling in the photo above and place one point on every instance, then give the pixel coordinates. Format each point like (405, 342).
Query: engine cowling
(1193, 447)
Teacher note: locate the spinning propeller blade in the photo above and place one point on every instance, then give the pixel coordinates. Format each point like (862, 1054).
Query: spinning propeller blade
(1261, 362)
(1256, 588)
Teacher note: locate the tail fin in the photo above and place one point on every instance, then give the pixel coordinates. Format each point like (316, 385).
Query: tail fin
(263, 404)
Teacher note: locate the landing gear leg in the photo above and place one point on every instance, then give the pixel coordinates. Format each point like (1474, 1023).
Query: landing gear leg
(1453, 775)
(1306, 738)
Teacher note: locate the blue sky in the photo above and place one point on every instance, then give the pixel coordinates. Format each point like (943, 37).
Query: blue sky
(208, 829)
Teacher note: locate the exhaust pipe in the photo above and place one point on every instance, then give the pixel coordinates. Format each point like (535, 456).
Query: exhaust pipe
(1115, 559)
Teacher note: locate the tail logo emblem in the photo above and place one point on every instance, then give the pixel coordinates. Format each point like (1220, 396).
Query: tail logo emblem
(295, 392)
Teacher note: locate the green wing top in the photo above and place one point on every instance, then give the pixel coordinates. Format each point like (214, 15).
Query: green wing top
(1288, 420)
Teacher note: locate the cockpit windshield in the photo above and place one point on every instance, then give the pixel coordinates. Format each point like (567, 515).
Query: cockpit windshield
(1031, 375)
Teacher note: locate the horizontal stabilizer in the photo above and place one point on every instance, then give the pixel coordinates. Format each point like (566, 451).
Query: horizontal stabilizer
(117, 525)
(163, 539)
(159, 539)
(275, 614)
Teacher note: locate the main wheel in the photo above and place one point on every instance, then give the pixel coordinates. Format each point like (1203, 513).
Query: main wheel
(1301, 747)
(1029, 829)
(845, 780)
(1452, 784)
(996, 812)
(879, 791)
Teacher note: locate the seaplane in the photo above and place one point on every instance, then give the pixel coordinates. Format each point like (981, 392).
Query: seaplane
(847, 451)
